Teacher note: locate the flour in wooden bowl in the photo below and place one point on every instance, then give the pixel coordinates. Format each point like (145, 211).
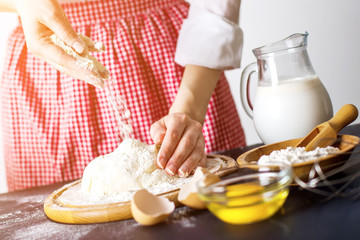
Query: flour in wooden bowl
(292, 155)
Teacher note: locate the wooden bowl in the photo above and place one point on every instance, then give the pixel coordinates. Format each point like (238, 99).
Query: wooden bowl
(346, 144)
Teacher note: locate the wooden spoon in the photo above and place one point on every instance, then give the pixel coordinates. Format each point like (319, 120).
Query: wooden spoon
(325, 134)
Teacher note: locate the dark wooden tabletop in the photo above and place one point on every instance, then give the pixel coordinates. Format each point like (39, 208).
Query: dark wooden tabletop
(305, 215)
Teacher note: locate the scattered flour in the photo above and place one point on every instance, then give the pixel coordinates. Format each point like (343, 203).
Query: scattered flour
(90, 63)
(121, 111)
(47, 230)
(292, 155)
(28, 199)
(183, 216)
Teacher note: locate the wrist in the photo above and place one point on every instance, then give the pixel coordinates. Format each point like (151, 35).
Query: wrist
(196, 88)
(197, 114)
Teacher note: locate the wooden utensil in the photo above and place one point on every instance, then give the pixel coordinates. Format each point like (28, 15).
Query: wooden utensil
(325, 134)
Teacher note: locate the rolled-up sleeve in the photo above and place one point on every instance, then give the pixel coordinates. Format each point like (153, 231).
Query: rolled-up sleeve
(211, 36)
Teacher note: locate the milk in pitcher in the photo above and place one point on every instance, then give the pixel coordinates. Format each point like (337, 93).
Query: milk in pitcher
(291, 109)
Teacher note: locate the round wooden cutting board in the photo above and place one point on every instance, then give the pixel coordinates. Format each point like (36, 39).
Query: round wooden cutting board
(58, 211)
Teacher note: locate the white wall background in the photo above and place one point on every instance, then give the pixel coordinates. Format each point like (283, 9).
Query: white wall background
(333, 43)
(333, 46)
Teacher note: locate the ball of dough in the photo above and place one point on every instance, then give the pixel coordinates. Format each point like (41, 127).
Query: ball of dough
(123, 170)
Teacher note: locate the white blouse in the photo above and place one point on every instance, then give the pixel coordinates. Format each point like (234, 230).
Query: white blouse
(211, 36)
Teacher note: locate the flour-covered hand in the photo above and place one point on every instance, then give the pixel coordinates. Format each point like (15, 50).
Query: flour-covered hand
(44, 18)
(182, 144)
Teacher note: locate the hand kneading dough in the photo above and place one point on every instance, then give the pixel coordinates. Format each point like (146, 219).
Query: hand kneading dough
(132, 166)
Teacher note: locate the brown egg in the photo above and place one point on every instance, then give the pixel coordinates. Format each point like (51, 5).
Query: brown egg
(149, 209)
(188, 192)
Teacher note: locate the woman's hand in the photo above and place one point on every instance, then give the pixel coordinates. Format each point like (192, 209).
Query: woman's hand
(40, 20)
(180, 132)
(182, 144)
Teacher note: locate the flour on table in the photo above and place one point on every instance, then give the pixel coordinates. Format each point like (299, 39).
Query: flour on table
(292, 155)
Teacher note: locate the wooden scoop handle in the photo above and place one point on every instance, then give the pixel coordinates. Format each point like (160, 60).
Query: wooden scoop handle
(346, 115)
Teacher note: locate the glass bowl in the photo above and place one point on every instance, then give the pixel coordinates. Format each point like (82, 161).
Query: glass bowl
(255, 195)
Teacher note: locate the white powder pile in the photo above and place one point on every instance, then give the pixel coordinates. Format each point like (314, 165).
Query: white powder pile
(118, 175)
(293, 155)
(115, 177)
(132, 166)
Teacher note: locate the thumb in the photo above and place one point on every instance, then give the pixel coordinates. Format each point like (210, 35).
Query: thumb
(158, 131)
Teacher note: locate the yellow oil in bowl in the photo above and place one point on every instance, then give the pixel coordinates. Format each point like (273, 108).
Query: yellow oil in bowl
(248, 198)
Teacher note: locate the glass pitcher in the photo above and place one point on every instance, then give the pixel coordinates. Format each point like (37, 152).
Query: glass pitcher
(290, 98)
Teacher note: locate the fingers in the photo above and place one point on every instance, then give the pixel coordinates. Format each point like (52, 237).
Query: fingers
(175, 127)
(157, 133)
(187, 153)
(86, 68)
(101, 70)
(202, 162)
(44, 15)
(91, 45)
(61, 26)
(182, 144)
(46, 18)
(67, 64)
(195, 159)
(198, 159)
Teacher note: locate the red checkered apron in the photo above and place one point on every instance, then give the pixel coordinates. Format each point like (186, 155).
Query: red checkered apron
(55, 125)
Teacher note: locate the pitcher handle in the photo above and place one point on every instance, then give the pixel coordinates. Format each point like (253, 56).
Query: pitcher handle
(244, 88)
